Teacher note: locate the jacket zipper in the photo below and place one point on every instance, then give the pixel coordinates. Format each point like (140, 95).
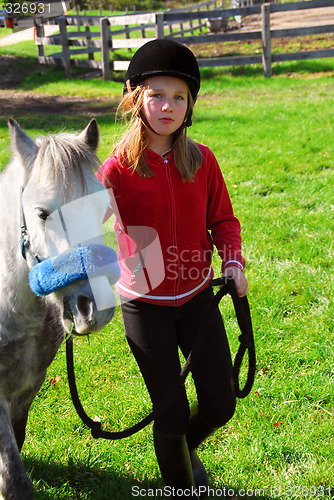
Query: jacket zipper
(173, 219)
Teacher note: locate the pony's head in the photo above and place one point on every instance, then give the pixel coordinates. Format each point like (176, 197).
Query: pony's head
(62, 206)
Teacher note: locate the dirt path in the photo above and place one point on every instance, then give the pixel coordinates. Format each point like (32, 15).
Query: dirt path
(25, 35)
(12, 101)
(293, 19)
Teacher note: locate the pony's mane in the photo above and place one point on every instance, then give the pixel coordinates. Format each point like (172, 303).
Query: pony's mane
(63, 158)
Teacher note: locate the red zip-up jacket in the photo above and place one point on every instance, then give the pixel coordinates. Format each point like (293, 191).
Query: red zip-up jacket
(166, 227)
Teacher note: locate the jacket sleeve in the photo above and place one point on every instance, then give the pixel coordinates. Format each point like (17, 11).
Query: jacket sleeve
(221, 221)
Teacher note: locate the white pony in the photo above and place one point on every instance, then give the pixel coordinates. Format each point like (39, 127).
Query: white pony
(51, 202)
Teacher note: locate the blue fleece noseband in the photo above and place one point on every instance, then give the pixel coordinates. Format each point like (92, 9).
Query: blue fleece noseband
(78, 264)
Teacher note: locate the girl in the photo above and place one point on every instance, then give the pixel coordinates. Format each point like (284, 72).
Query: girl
(172, 207)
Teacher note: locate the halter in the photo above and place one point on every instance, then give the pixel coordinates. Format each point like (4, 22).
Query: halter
(24, 238)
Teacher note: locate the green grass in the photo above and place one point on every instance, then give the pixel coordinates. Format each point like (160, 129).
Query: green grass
(5, 31)
(274, 141)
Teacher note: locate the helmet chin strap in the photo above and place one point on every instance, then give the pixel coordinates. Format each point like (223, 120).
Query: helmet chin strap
(147, 123)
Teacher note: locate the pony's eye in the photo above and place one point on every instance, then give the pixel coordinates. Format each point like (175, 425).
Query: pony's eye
(42, 214)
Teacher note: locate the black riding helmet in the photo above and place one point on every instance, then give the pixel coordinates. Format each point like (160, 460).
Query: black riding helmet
(163, 57)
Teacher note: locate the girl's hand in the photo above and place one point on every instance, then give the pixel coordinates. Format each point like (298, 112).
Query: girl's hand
(240, 279)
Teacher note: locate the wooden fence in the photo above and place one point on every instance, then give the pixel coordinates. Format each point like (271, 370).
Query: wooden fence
(113, 33)
(137, 29)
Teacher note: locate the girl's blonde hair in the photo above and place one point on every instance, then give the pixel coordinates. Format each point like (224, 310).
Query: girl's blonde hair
(131, 147)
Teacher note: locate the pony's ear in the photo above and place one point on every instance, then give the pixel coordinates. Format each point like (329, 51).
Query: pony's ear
(22, 145)
(91, 135)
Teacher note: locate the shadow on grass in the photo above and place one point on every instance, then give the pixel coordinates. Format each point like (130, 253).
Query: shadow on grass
(52, 480)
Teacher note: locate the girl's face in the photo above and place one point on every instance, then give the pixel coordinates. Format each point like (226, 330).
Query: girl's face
(165, 104)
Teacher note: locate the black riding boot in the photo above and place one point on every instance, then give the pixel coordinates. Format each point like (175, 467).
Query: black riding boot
(198, 430)
(174, 461)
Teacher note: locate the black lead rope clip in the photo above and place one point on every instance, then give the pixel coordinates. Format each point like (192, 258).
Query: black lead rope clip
(246, 339)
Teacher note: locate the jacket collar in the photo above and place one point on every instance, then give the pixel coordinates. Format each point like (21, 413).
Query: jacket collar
(154, 157)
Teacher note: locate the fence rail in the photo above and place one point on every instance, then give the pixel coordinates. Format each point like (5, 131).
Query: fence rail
(171, 24)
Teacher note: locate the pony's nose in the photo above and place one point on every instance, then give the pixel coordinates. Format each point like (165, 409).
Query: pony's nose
(82, 311)
(85, 307)
(79, 314)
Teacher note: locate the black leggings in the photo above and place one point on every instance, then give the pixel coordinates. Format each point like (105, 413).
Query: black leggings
(154, 333)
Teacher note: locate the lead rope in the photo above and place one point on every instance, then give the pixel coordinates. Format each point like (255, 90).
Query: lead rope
(246, 343)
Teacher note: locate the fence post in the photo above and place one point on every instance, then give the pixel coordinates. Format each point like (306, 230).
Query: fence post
(159, 25)
(65, 48)
(127, 33)
(200, 25)
(89, 39)
(266, 40)
(40, 33)
(105, 35)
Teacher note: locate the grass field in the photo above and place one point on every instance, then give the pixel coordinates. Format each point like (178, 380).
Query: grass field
(274, 140)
